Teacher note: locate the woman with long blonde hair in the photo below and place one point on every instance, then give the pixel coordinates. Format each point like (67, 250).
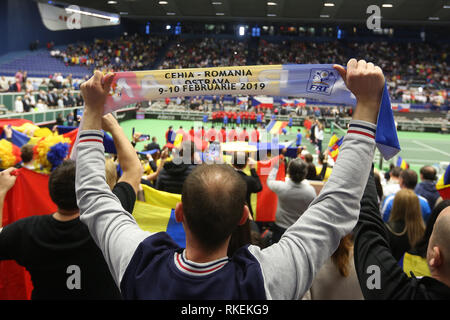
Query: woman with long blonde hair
(405, 226)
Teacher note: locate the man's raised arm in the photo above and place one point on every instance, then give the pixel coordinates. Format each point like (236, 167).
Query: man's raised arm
(290, 265)
(113, 229)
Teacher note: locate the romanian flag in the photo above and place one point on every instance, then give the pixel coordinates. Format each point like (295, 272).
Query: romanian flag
(178, 140)
(157, 213)
(333, 146)
(402, 163)
(276, 127)
(15, 281)
(264, 203)
(443, 184)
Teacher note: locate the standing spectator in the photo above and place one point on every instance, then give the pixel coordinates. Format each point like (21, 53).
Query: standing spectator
(405, 225)
(427, 188)
(415, 260)
(4, 87)
(407, 180)
(175, 172)
(318, 134)
(170, 135)
(298, 138)
(393, 183)
(240, 160)
(254, 135)
(18, 105)
(387, 280)
(295, 194)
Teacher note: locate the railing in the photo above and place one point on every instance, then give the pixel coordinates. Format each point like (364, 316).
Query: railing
(43, 117)
(8, 98)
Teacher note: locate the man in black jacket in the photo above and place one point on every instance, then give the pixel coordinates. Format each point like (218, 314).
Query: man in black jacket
(379, 275)
(173, 174)
(240, 161)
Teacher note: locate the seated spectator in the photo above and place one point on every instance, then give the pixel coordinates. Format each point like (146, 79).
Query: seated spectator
(407, 180)
(427, 188)
(337, 279)
(405, 226)
(174, 173)
(379, 273)
(213, 204)
(294, 195)
(414, 261)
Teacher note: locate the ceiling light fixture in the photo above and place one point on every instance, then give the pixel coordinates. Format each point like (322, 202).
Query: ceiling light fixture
(328, 4)
(271, 3)
(433, 18)
(387, 5)
(324, 15)
(220, 13)
(163, 2)
(216, 3)
(271, 15)
(171, 13)
(87, 13)
(112, 2)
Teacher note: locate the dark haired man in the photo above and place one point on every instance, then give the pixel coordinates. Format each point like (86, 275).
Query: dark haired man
(294, 195)
(173, 174)
(26, 153)
(407, 180)
(240, 160)
(57, 249)
(151, 266)
(427, 188)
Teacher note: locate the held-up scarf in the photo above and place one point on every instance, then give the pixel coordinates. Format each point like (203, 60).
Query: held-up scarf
(320, 82)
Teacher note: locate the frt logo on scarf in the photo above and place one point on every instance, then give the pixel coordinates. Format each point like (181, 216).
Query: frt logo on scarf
(321, 81)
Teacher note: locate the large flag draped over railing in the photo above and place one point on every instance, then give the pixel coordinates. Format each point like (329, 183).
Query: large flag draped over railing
(313, 81)
(15, 281)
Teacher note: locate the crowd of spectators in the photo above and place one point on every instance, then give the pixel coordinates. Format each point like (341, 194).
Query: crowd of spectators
(206, 52)
(320, 260)
(129, 52)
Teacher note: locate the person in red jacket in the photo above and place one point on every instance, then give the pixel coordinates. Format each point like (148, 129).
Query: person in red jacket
(232, 135)
(192, 133)
(234, 115)
(223, 135)
(243, 135)
(254, 135)
(253, 118)
(211, 135)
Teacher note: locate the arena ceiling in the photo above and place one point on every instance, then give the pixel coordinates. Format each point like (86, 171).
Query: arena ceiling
(412, 12)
